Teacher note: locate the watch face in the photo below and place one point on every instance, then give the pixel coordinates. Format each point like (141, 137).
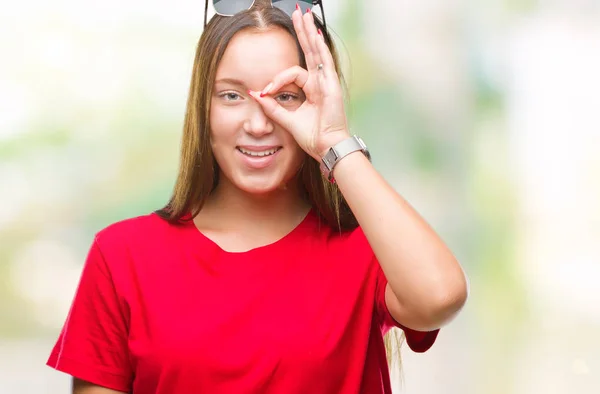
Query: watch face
(324, 168)
(329, 159)
(326, 173)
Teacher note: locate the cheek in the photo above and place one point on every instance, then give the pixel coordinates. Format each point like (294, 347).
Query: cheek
(225, 122)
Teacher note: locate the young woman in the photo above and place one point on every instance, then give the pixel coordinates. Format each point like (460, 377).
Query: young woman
(265, 273)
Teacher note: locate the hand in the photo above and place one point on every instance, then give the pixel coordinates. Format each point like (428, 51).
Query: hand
(320, 122)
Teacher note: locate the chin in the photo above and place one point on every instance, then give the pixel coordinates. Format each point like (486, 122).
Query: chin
(260, 186)
(264, 179)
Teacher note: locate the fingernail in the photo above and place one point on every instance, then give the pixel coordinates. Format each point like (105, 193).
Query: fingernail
(319, 31)
(308, 10)
(297, 7)
(266, 90)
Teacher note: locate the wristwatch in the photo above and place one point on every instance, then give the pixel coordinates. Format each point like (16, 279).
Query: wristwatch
(339, 151)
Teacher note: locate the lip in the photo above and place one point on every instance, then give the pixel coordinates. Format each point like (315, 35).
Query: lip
(258, 162)
(258, 148)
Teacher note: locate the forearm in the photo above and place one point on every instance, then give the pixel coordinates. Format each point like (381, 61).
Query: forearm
(421, 270)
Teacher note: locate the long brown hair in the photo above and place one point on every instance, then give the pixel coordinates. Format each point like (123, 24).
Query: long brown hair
(198, 171)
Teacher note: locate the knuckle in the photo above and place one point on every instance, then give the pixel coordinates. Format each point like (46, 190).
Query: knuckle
(276, 84)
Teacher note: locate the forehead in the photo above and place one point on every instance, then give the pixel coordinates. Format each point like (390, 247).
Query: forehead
(257, 56)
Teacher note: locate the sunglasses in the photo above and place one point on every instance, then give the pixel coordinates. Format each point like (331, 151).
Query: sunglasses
(232, 7)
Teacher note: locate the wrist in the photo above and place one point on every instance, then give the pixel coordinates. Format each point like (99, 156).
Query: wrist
(349, 167)
(329, 142)
(339, 151)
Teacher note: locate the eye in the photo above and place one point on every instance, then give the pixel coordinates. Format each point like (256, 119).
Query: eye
(230, 96)
(287, 97)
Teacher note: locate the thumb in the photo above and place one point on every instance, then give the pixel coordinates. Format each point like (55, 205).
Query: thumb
(273, 110)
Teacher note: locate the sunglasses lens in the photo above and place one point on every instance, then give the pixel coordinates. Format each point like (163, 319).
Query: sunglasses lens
(231, 7)
(289, 6)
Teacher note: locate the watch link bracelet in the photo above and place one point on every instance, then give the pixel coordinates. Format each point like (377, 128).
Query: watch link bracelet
(339, 151)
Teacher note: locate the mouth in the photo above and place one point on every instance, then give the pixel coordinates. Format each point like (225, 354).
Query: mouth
(259, 153)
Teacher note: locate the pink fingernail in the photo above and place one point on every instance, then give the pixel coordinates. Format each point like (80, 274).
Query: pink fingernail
(319, 31)
(308, 10)
(266, 90)
(297, 7)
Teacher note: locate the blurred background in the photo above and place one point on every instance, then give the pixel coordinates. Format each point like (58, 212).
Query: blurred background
(484, 114)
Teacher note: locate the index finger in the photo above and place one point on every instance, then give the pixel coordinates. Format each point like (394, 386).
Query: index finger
(303, 39)
(296, 75)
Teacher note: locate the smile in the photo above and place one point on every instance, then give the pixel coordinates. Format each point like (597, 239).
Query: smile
(255, 153)
(258, 157)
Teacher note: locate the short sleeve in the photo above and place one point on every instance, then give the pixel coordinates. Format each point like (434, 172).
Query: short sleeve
(92, 345)
(418, 341)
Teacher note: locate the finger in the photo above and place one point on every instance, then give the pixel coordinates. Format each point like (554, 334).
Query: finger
(324, 54)
(296, 75)
(298, 21)
(273, 110)
(310, 30)
(330, 80)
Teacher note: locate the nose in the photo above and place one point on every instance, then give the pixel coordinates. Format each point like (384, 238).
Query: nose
(257, 123)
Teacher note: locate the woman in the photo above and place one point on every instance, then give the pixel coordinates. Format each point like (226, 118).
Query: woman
(261, 275)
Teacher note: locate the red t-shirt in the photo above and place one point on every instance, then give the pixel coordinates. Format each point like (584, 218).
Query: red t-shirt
(162, 309)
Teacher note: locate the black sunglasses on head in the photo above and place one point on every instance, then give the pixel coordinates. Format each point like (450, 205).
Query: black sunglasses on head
(232, 7)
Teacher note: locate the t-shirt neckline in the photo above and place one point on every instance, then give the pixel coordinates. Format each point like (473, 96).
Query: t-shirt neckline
(305, 225)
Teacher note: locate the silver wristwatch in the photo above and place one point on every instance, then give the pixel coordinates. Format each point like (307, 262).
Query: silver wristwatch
(339, 151)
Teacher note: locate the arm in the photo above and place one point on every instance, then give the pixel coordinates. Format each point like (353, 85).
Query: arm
(83, 387)
(92, 345)
(426, 285)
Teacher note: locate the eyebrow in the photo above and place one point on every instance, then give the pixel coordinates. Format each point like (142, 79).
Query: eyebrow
(231, 81)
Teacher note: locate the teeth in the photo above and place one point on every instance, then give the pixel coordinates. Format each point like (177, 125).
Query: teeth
(259, 154)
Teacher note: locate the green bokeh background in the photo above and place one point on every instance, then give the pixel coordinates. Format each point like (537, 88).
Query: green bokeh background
(91, 117)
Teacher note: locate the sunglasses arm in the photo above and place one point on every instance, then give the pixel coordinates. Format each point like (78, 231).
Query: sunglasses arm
(205, 11)
(320, 4)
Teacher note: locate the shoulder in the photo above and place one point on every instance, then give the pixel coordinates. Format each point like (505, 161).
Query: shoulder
(139, 225)
(144, 230)
(135, 244)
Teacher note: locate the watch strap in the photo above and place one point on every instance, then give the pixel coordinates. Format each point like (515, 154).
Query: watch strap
(341, 150)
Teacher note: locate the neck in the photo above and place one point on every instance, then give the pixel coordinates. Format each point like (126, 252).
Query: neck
(236, 208)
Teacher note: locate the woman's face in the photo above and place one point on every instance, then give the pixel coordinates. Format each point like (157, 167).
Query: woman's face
(254, 154)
